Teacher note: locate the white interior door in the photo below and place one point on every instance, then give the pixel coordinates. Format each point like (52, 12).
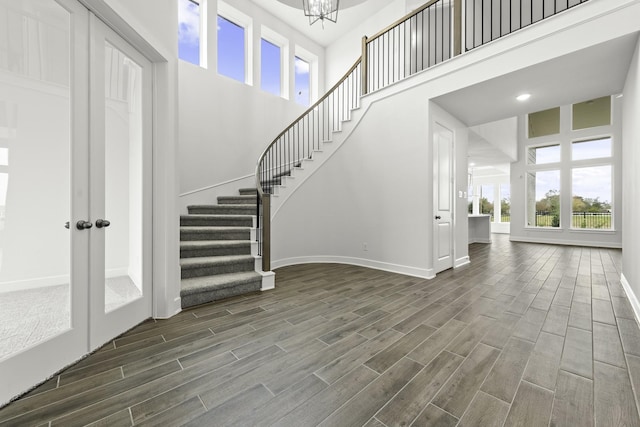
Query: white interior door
(43, 185)
(75, 150)
(120, 202)
(443, 198)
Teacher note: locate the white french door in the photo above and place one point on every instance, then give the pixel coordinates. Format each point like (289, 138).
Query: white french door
(75, 181)
(120, 177)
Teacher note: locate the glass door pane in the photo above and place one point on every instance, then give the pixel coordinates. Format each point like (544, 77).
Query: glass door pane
(123, 179)
(35, 162)
(44, 63)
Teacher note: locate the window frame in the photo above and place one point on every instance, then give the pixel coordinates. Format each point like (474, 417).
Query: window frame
(599, 161)
(283, 43)
(238, 18)
(312, 60)
(202, 37)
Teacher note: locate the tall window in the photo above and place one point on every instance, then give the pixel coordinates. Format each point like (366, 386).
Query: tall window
(231, 49)
(302, 81)
(270, 67)
(543, 204)
(486, 200)
(591, 184)
(189, 31)
(565, 148)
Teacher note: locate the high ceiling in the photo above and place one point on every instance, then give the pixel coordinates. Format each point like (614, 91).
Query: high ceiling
(350, 14)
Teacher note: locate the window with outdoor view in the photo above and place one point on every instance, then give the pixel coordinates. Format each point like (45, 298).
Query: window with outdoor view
(189, 31)
(543, 198)
(302, 82)
(231, 49)
(270, 67)
(586, 164)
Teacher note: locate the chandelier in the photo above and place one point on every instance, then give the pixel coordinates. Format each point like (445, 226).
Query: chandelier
(321, 10)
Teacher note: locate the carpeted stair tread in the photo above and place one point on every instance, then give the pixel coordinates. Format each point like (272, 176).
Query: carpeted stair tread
(213, 243)
(238, 200)
(214, 233)
(214, 260)
(233, 209)
(216, 265)
(248, 191)
(200, 290)
(216, 220)
(204, 248)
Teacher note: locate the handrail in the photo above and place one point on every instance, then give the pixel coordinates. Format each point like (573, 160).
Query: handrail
(286, 152)
(403, 19)
(302, 116)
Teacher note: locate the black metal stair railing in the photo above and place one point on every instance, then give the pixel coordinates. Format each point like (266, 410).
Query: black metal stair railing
(487, 20)
(429, 35)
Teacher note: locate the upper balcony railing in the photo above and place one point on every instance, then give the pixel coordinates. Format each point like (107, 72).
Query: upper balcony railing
(431, 34)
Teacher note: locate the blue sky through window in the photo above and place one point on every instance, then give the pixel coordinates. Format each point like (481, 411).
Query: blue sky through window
(231, 49)
(270, 68)
(302, 82)
(189, 31)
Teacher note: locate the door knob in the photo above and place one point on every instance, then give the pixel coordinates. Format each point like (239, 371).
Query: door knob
(83, 225)
(438, 217)
(102, 223)
(66, 225)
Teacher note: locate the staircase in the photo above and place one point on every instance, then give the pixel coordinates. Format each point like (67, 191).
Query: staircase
(217, 250)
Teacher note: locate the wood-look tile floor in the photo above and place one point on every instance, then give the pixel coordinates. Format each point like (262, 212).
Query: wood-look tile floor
(526, 335)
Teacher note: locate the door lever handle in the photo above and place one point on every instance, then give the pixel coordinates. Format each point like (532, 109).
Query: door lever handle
(102, 223)
(83, 225)
(438, 217)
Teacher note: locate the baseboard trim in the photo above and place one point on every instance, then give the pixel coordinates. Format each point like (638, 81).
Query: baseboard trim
(40, 282)
(361, 262)
(461, 261)
(592, 244)
(479, 241)
(633, 299)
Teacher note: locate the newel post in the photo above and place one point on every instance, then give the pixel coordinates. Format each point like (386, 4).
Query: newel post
(266, 232)
(363, 66)
(457, 27)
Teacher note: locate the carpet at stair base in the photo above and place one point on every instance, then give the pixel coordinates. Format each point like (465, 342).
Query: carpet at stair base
(201, 290)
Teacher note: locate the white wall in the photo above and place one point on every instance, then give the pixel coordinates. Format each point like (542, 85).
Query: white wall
(630, 193)
(564, 234)
(371, 203)
(375, 190)
(225, 124)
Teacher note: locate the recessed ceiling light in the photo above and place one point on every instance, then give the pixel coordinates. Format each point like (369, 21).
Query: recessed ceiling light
(523, 97)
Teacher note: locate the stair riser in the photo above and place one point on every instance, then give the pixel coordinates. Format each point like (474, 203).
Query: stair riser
(216, 222)
(188, 235)
(206, 252)
(212, 270)
(223, 210)
(216, 295)
(237, 200)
